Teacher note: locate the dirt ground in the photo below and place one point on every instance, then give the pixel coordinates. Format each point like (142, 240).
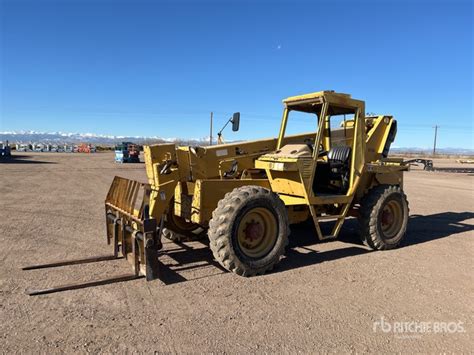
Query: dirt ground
(335, 296)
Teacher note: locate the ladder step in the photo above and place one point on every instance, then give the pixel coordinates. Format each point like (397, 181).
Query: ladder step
(336, 216)
(324, 237)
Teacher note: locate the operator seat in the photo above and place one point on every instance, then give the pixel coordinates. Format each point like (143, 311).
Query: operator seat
(339, 165)
(338, 156)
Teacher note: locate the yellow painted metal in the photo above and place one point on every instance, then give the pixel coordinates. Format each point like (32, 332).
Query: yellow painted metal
(290, 200)
(282, 129)
(358, 150)
(211, 162)
(287, 182)
(207, 194)
(155, 156)
(325, 136)
(183, 197)
(377, 134)
(313, 96)
(389, 178)
(129, 197)
(281, 172)
(385, 167)
(278, 164)
(257, 232)
(308, 190)
(196, 178)
(163, 184)
(185, 184)
(297, 213)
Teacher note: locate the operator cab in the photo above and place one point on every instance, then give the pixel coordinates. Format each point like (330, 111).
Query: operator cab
(335, 136)
(321, 164)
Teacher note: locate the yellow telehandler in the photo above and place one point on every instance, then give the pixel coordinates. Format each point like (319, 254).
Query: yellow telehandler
(244, 196)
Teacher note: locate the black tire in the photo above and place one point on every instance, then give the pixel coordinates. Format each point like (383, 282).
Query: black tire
(224, 227)
(178, 230)
(378, 231)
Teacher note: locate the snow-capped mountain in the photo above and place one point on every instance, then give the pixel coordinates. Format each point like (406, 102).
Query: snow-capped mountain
(102, 139)
(67, 137)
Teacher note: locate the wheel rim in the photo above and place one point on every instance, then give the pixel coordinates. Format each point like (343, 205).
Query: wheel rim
(257, 232)
(181, 223)
(391, 219)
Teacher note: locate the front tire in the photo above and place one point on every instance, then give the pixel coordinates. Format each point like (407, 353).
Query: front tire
(383, 217)
(249, 230)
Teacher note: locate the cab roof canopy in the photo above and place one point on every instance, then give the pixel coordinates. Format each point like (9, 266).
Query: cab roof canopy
(340, 103)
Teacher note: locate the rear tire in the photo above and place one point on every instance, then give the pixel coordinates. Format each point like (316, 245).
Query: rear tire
(383, 217)
(249, 230)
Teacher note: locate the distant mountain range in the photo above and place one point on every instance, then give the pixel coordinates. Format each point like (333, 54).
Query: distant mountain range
(429, 151)
(99, 139)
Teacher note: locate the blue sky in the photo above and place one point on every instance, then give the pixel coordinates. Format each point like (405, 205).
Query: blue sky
(158, 68)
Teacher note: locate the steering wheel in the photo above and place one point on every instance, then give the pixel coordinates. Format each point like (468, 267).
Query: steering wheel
(309, 143)
(322, 152)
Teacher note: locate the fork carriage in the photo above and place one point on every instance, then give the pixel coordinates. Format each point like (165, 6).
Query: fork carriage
(132, 232)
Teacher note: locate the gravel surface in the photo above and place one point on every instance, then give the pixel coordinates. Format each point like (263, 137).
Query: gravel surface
(335, 296)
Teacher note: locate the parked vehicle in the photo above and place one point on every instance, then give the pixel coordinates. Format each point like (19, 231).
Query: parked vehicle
(5, 150)
(127, 152)
(24, 148)
(246, 194)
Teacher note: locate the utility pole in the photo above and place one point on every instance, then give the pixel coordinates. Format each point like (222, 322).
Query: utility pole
(436, 134)
(210, 135)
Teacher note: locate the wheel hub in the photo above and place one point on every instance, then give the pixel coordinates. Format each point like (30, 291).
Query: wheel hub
(257, 232)
(391, 219)
(253, 231)
(387, 218)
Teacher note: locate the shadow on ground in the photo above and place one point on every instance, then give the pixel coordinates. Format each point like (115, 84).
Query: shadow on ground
(463, 170)
(421, 229)
(186, 257)
(22, 159)
(181, 257)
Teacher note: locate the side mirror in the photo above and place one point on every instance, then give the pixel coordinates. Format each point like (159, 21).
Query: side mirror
(235, 121)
